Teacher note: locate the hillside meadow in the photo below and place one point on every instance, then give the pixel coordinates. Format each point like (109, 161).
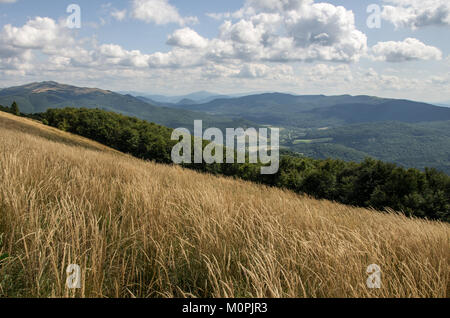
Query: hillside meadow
(141, 229)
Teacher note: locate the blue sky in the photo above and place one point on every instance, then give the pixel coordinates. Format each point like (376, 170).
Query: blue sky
(177, 46)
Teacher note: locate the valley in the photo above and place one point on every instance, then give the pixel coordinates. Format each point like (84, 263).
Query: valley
(351, 128)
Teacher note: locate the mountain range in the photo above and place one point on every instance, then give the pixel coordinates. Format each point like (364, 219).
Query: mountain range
(194, 98)
(200, 97)
(38, 97)
(409, 133)
(315, 111)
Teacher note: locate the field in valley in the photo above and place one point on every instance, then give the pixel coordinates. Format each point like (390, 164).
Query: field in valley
(140, 229)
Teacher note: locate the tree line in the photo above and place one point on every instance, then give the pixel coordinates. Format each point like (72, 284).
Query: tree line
(371, 183)
(14, 109)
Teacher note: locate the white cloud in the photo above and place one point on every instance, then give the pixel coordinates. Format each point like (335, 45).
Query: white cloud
(253, 70)
(8, 1)
(159, 12)
(265, 33)
(108, 55)
(18, 43)
(417, 13)
(389, 82)
(276, 6)
(35, 34)
(408, 50)
(217, 71)
(112, 54)
(329, 73)
(229, 15)
(187, 38)
(290, 30)
(219, 16)
(260, 45)
(119, 15)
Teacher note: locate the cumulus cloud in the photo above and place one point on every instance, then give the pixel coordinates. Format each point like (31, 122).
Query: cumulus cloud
(187, 38)
(289, 30)
(42, 43)
(35, 34)
(408, 50)
(112, 54)
(417, 13)
(58, 44)
(259, 41)
(159, 12)
(263, 43)
(265, 32)
(253, 70)
(18, 43)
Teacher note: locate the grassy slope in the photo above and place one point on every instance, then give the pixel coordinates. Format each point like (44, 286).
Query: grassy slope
(147, 230)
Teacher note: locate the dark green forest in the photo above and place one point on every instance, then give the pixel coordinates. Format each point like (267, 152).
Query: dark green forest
(416, 145)
(14, 109)
(370, 183)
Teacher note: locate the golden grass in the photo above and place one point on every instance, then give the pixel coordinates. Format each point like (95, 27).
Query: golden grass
(139, 229)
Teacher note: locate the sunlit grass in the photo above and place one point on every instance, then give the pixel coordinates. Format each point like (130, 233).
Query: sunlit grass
(139, 229)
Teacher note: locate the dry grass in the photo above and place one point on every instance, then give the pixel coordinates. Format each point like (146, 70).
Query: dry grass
(139, 229)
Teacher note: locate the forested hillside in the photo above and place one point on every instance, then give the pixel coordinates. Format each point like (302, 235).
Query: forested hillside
(416, 145)
(371, 183)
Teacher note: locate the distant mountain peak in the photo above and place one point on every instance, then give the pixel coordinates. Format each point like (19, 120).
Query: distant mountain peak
(52, 86)
(186, 101)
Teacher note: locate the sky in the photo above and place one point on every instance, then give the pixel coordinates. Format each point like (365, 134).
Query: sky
(386, 48)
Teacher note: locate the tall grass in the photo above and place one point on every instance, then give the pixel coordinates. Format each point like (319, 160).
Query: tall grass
(139, 229)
